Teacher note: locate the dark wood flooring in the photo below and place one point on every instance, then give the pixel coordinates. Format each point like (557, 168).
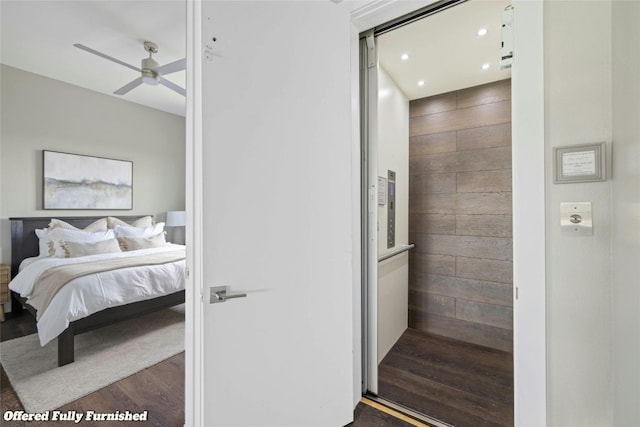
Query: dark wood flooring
(17, 326)
(159, 389)
(462, 384)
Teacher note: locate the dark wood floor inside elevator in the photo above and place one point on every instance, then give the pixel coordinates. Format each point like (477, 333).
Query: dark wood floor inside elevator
(461, 384)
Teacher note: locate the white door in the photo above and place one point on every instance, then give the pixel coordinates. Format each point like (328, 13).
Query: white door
(276, 214)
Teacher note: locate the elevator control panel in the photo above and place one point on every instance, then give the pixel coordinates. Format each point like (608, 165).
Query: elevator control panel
(391, 209)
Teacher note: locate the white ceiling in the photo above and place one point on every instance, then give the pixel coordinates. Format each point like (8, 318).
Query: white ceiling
(445, 51)
(38, 36)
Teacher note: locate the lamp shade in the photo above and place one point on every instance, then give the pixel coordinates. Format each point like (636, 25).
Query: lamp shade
(176, 219)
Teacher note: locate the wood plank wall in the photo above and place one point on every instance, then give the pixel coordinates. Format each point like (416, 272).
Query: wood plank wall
(460, 273)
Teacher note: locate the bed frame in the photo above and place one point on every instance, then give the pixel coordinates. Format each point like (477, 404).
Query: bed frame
(24, 244)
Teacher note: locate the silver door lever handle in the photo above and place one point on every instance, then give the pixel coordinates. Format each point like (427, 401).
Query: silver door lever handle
(221, 294)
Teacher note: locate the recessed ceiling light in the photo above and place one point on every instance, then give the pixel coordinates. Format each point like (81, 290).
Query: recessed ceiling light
(486, 66)
(404, 56)
(421, 83)
(482, 32)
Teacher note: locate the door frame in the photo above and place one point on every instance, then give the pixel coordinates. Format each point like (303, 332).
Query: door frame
(194, 340)
(528, 213)
(528, 171)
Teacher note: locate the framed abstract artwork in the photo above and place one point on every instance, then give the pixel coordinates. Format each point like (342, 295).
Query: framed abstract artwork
(74, 181)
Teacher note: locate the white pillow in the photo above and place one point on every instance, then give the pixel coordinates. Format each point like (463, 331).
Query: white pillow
(50, 239)
(129, 231)
(144, 222)
(99, 225)
(77, 249)
(44, 242)
(135, 243)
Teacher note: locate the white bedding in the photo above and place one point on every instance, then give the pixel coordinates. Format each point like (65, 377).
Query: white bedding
(86, 295)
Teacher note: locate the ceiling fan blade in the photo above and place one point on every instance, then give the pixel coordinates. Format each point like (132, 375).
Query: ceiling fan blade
(172, 67)
(172, 86)
(117, 61)
(131, 85)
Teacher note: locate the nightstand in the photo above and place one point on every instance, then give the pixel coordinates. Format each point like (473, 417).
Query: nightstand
(5, 276)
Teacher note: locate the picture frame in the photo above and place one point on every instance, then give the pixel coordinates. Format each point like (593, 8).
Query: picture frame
(580, 163)
(76, 181)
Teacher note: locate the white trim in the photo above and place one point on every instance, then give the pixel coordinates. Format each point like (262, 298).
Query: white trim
(372, 222)
(378, 12)
(194, 342)
(355, 220)
(529, 314)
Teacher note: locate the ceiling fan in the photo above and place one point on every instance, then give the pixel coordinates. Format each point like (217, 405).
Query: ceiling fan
(151, 71)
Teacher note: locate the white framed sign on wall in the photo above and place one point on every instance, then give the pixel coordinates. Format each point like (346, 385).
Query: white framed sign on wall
(580, 163)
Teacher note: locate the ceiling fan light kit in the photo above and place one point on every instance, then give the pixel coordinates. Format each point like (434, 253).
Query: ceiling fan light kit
(151, 72)
(149, 76)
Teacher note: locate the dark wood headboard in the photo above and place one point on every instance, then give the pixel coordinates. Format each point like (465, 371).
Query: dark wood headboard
(24, 242)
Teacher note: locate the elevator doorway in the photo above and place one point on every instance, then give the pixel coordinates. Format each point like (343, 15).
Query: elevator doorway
(439, 301)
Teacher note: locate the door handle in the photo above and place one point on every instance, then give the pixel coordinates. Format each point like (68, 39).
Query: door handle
(221, 294)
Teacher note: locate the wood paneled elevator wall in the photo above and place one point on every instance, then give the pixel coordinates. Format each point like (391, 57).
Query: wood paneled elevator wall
(460, 214)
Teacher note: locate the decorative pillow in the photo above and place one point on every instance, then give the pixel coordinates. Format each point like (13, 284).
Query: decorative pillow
(45, 244)
(99, 225)
(50, 239)
(76, 249)
(135, 243)
(144, 222)
(130, 231)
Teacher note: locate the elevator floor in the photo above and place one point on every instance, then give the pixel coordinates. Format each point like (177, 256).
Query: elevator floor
(461, 384)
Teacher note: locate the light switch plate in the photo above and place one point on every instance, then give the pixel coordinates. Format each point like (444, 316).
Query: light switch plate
(576, 218)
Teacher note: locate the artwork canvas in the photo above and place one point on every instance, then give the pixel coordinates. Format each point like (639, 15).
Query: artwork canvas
(73, 181)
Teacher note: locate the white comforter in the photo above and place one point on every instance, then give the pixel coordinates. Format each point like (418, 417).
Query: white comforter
(86, 295)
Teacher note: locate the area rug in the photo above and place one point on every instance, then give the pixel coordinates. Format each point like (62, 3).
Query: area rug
(102, 357)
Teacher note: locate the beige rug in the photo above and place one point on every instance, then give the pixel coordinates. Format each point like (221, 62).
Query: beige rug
(102, 357)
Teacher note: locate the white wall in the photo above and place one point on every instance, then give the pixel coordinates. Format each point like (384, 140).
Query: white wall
(393, 154)
(626, 213)
(39, 113)
(578, 110)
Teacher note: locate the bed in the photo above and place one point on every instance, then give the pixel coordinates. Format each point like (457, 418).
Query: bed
(25, 244)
